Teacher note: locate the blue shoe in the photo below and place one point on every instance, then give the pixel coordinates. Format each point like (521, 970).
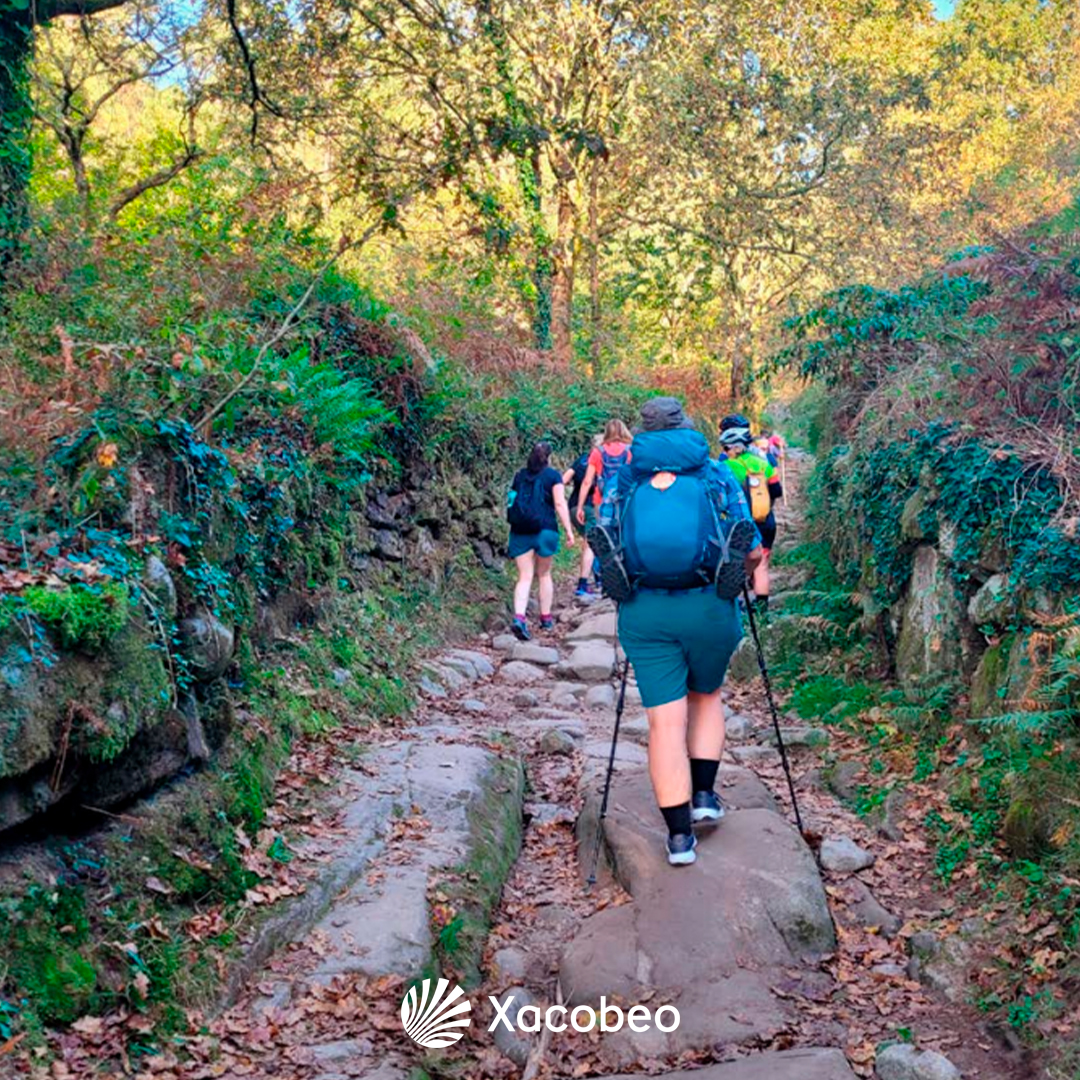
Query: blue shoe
(706, 807)
(520, 629)
(680, 850)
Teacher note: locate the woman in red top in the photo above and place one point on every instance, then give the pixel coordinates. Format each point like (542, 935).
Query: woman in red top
(608, 457)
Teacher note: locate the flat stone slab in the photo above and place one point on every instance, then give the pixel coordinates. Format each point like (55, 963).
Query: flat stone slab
(382, 925)
(805, 1064)
(601, 627)
(740, 789)
(481, 664)
(626, 753)
(591, 661)
(518, 673)
(532, 653)
(715, 936)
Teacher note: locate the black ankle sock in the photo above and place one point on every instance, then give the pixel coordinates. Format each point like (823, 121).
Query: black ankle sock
(762, 602)
(678, 819)
(703, 773)
(582, 582)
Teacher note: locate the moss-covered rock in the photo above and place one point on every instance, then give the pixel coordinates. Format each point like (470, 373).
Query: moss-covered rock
(989, 684)
(992, 604)
(64, 715)
(929, 646)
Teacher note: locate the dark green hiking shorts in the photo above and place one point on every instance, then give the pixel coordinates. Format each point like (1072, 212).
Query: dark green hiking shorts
(678, 641)
(590, 519)
(544, 543)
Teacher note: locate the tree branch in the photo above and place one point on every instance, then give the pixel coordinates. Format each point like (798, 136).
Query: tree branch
(257, 96)
(154, 180)
(45, 10)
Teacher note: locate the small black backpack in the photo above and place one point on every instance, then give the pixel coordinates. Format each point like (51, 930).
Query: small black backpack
(525, 504)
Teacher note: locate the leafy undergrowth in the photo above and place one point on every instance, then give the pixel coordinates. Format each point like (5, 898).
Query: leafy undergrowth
(125, 932)
(996, 805)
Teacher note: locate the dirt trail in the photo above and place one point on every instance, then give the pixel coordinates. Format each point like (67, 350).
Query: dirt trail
(305, 1016)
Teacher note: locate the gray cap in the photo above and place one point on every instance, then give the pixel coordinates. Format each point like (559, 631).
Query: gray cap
(663, 414)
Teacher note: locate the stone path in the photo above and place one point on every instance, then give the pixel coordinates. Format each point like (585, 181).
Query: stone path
(780, 971)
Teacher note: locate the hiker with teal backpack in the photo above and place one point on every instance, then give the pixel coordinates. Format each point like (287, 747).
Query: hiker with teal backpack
(535, 506)
(675, 556)
(575, 475)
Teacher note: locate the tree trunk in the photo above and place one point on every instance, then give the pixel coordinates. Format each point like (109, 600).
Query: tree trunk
(594, 267)
(562, 294)
(542, 266)
(16, 46)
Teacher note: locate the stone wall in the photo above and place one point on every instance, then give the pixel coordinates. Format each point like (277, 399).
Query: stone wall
(957, 621)
(98, 729)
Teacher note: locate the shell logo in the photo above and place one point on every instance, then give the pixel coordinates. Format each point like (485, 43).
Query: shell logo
(438, 1019)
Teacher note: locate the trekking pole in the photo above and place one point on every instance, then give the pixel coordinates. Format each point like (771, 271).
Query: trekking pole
(610, 769)
(772, 707)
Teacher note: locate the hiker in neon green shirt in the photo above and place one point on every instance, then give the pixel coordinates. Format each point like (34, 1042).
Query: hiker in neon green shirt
(761, 485)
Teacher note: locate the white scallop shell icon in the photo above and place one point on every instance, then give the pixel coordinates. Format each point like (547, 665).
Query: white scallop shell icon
(435, 1019)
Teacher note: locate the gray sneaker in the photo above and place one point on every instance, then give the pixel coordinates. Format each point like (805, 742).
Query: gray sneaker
(706, 808)
(680, 849)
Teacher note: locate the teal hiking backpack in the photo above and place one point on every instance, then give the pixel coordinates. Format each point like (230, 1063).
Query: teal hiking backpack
(669, 527)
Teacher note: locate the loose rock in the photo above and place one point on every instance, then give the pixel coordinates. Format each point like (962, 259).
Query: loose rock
(208, 644)
(474, 706)
(902, 1061)
(556, 741)
(870, 913)
(842, 779)
(510, 963)
(842, 855)
(514, 1044)
(592, 662)
(738, 727)
(518, 673)
(532, 653)
(526, 699)
(162, 588)
(460, 664)
(600, 627)
(573, 689)
(600, 697)
(481, 664)
(799, 736)
(430, 687)
(504, 642)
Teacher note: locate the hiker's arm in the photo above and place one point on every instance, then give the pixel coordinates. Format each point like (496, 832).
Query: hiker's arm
(568, 476)
(562, 508)
(776, 490)
(586, 487)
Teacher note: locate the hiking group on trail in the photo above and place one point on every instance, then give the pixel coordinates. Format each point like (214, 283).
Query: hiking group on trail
(676, 536)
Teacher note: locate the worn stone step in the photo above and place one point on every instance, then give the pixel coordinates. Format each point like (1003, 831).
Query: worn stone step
(714, 937)
(464, 805)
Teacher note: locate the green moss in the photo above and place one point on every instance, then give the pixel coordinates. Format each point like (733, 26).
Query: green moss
(989, 681)
(49, 932)
(84, 617)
